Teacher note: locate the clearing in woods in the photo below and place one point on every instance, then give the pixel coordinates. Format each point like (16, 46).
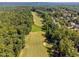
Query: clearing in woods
(34, 41)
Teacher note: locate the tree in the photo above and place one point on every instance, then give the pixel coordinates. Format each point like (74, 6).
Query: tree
(14, 25)
(66, 46)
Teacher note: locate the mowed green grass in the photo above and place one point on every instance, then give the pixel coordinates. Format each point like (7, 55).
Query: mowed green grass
(35, 28)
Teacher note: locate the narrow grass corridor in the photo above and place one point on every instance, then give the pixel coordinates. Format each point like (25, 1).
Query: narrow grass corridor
(34, 41)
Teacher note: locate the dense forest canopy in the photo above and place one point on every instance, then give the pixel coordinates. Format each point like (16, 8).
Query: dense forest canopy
(14, 24)
(61, 26)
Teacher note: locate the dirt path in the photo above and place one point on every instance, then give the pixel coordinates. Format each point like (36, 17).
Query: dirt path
(34, 42)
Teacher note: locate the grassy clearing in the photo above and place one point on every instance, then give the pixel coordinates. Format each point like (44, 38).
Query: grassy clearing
(37, 19)
(35, 28)
(34, 46)
(34, 41)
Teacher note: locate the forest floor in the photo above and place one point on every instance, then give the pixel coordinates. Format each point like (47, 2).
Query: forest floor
(34, 41)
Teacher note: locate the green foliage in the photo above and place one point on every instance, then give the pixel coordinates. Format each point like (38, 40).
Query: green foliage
(66, 46)
(55, 25)
(14, 24)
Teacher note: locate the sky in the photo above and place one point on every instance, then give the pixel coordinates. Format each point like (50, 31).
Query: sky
(39, 0)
